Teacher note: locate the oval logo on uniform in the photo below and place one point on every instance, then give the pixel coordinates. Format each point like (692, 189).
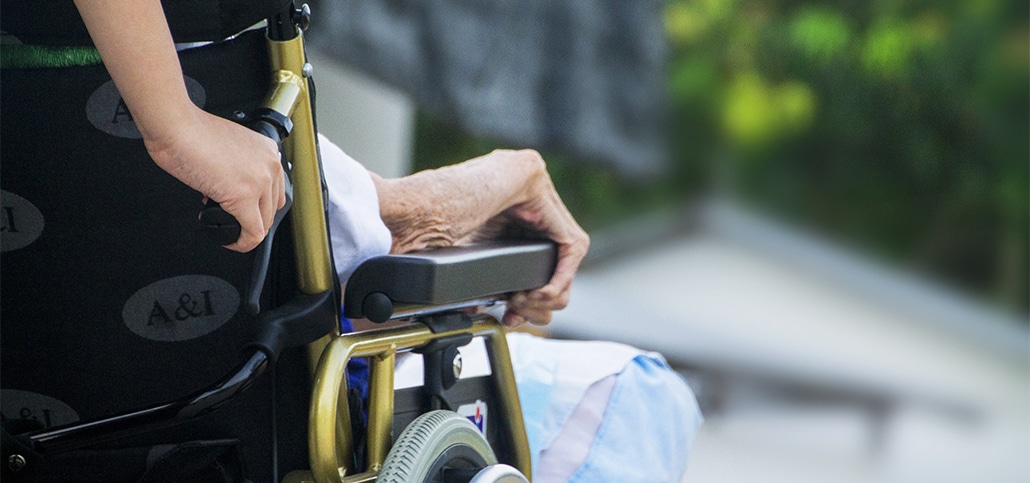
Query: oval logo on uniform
(181, 308)
(45, 410)
(107, 111)
(21, 222)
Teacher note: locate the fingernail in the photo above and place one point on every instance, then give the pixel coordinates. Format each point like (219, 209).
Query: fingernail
(538, 296)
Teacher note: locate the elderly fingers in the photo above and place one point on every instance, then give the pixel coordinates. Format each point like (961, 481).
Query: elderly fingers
(514, 317)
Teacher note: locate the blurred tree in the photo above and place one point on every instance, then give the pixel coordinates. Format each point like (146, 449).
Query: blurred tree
(901, 125)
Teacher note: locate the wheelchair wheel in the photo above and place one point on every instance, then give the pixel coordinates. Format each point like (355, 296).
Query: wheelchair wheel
(438, 447)
(499, 474)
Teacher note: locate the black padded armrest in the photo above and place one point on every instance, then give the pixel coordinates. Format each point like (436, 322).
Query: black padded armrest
(446, 276)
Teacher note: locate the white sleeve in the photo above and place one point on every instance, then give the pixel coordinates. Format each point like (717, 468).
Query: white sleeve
(355, 228)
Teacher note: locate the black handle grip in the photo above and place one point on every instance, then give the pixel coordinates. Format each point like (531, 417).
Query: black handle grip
(221, 227)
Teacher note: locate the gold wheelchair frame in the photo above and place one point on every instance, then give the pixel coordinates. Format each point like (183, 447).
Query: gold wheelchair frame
(330, 441)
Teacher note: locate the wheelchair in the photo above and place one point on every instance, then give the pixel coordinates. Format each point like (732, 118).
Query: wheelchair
(134, 349)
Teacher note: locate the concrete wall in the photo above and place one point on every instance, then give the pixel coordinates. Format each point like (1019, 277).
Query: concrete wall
(371, 121)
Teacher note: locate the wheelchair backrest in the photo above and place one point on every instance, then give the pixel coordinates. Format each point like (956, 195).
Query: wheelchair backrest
(112, 297)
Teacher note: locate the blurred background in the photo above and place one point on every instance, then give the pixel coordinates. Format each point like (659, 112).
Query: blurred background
(817, 211)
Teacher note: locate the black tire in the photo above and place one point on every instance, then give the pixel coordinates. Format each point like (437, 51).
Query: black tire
(432, 441)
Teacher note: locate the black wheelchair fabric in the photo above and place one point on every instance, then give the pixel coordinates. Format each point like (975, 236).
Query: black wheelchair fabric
(112, 297)
(57, 22)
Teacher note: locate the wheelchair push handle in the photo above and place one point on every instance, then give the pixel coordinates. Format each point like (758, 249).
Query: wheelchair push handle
(223, 228)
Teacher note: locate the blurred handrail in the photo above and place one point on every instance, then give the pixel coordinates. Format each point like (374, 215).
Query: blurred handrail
(931, 301)
(910, 293)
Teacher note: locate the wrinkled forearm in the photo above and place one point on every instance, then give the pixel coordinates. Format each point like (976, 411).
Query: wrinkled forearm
(440, 207)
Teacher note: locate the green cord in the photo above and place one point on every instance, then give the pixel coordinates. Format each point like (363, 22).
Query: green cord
(43, 57)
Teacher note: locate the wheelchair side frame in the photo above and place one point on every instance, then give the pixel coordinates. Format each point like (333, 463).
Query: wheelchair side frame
(329, 417)
(329, 437)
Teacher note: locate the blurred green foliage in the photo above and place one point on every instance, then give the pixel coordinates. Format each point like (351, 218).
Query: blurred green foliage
(902, 126)
(898, 125)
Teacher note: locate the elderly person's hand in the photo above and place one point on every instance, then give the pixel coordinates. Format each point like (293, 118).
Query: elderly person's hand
(487, 197)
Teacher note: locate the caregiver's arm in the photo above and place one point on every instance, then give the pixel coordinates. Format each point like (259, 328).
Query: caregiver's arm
(481, 198)
(224, 161)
